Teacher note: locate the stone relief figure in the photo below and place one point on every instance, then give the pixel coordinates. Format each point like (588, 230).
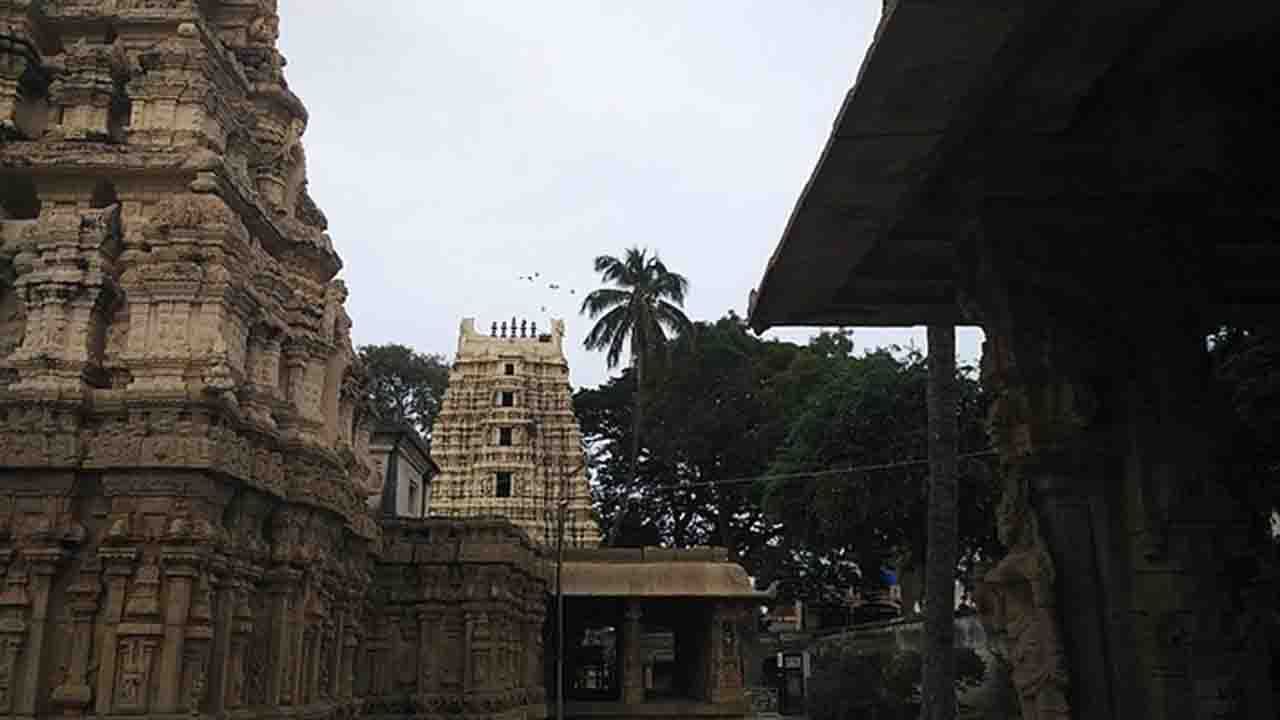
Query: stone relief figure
(1016, 601)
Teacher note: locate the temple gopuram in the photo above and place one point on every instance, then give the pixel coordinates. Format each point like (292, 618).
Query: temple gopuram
(506, 438)
(1091, 183)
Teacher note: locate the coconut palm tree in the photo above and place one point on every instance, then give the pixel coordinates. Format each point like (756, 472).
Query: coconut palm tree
(640, 312)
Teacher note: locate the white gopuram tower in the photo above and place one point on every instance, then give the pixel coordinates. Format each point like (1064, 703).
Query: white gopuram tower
(506, 439)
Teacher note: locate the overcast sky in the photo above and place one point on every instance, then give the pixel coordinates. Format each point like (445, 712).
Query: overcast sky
(455, 146)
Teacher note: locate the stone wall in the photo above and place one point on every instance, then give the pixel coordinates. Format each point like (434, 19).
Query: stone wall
(455, 623)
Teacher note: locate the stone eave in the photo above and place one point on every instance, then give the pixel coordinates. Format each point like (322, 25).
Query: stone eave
(970, 102)
(680, 579)
(74, 159)
(657, 573)
(340, 497)
(927, 63)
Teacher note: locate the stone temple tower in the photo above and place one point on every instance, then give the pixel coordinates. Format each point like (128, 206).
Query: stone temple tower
(506, 439)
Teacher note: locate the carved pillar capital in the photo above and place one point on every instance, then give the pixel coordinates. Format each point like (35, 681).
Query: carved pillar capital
(44, 561)
(182, 561)
(118, 560)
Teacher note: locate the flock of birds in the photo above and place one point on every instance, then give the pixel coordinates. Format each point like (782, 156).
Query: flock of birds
(536, 279)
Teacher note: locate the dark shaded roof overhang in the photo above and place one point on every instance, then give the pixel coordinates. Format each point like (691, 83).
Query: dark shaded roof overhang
(959, 102)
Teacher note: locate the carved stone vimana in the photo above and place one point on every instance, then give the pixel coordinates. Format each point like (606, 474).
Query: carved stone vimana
(506, 439)
(184, 464)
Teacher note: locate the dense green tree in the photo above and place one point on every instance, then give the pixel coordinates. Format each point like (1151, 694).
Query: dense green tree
(639, 312)
(732, 406)
(405, 384)
(713, 418)
(882, 685)
(869, 413)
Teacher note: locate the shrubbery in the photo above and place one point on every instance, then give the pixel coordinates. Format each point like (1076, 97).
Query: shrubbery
(885, 685)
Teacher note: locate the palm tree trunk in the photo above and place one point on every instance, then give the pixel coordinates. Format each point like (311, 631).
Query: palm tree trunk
(940, 562)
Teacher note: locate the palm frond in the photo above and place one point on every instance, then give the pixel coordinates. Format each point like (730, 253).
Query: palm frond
(611, 269)
(671, 285)
(603, 331)
(616, 342)
(598, 301)
(641, 309)
(672, 318)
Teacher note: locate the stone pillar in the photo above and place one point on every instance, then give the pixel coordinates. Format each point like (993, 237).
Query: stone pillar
(181, 566)
(74, 694)
(474, 634)
(296, 670)
(197, 649)
(13, 629)
(725, 680)
(333, 688)
(311, 691)
(43, 564)
(241, 635)
(632, 655)
(280, 585)
(350, 645)
(118, 566)
(426, 650)
(223, 623)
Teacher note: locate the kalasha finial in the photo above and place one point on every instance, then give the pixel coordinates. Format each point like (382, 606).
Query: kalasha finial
(533, 329)
(504, 329)
(524, 328)
(513, 326)
(493, 332)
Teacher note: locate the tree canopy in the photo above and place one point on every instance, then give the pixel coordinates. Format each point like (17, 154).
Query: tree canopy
(641, 309)
(740, 440)
(405, 385)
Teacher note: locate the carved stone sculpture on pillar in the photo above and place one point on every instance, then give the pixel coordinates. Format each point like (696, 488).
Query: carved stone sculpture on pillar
(1016, 601)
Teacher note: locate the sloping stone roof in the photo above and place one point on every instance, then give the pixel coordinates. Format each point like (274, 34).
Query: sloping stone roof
(656, 573)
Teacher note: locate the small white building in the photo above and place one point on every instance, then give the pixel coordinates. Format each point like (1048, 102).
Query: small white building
(403, 460)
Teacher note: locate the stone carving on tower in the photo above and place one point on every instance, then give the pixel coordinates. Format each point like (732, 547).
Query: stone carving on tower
(184, 437)
(506, 439)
